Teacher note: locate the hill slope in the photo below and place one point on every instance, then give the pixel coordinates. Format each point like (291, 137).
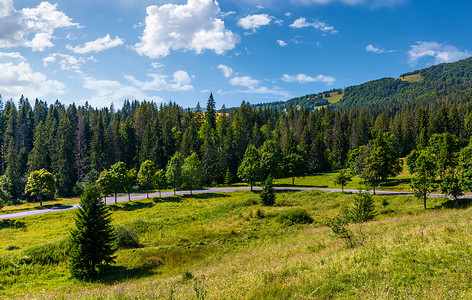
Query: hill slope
(425, 84)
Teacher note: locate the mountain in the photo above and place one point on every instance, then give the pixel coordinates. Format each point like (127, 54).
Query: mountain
(428, 84)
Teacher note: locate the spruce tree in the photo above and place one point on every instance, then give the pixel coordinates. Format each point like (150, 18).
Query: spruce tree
(268, 195)
(92, 240)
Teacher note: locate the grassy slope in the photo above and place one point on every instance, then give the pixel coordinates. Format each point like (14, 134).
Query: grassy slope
(219, 236)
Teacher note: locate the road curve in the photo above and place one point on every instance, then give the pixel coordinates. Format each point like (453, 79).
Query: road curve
(124, 198)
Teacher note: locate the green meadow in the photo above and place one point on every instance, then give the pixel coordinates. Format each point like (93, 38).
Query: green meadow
(228, 246)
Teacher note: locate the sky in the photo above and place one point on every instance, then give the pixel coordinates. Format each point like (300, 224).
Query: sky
(106, 51)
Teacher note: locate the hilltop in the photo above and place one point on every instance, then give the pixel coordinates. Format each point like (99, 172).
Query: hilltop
(432, 83)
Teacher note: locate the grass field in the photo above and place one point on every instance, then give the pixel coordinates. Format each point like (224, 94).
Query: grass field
(334, 97)
(227, 246)
(412, 78)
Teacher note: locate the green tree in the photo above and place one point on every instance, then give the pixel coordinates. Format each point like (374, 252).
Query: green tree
(228, 177)
(40, 185)
(64, 166)
(271, 159)
(268, 194)
(451, 184)
(129, 181)
(107, 183)
(249, 170)
(119, 178)
(174, 171)
(146, 175)
(424, 176)
(295, 166)
(39, 156)
(160, 181)
(192, 172)
(363, 208)
(92, 238)
(343, 178)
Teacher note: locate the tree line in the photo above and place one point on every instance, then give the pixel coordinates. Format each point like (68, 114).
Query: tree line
(77, 143)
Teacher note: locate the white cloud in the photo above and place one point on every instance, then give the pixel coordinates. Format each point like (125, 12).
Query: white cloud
(281, 43)
(193, 26)
(66, 62)
(288, 14)
(435, 53)
(14, 55)
(302, 23)
(375, 49)
(227, 71)
(254, 22)
(372, 48)
(302, 78)
(16, 27)
(157, 65)
(243, 81)
(19, 79)
(108, 91)
(179, 82)
(98, 45)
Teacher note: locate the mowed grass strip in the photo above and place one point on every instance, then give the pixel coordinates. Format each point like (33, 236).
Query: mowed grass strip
(226, 245)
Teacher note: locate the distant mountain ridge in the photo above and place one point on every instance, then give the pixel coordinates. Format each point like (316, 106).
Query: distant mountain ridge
(425, 84)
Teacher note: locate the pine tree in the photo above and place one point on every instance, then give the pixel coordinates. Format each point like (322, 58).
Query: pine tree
(39, 156)
(64, 167)
(92, 240)
(210, 114)
(98, 144)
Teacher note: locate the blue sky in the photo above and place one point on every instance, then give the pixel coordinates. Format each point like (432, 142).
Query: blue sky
(105, 51)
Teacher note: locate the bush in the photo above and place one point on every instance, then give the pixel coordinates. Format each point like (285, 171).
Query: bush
(49, 253)
(126, 238)
(295, 216)
(363, 208)
(11, 247)
(268, 195)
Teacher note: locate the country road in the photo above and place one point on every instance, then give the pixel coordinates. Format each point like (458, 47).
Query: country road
(124, 198)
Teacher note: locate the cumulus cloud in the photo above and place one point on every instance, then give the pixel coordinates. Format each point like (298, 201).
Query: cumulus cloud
(435, 53)
(17, 27)
(254, 22)
(192, 26)
(245, 81)
(227, 71)
(302, 78)
(302, 23)
(98, 45)
(18, 79)
(282, 43)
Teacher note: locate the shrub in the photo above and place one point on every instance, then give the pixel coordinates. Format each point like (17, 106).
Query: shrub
(363, 208)
(187, 275)
(49, 253)
(295, 216)
(11, 247)
(268, 195)
(126, 238)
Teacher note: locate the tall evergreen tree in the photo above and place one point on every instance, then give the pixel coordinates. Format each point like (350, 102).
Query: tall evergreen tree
(92, 239)
(64, 167)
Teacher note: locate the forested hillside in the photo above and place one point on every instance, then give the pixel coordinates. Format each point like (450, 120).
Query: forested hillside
(432, 84)
(73, 141)
(429, 84)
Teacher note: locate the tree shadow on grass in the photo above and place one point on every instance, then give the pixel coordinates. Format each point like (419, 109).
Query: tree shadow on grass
(13, 224)
(131, 206)
(300, 186)
(46, 206)
(464, 203)
(120, 273)
(393, 182)
(206, 195)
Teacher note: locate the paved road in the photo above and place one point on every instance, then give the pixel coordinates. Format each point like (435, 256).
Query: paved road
(124, 198)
